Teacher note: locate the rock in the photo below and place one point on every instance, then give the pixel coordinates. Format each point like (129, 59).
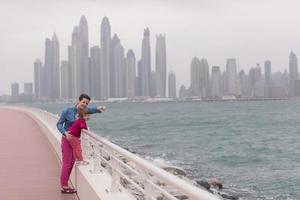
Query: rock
(213, 182)
(204, 184)
(169, 168)
(226, 196)
(181, 197)
(175, 170)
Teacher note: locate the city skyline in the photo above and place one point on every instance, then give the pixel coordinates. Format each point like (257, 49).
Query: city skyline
(177, 33)
(107, 73)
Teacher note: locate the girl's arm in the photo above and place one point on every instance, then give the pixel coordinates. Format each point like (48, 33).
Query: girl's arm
(83, 125)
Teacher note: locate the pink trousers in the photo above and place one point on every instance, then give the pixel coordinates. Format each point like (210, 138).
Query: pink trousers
(76, 146)
(68, 161)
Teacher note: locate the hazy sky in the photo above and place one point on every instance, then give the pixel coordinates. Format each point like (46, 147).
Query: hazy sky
(250, 30)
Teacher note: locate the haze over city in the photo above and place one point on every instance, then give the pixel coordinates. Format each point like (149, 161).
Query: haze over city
(250, 31)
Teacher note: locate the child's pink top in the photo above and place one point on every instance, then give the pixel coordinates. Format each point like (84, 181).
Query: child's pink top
(77, 126)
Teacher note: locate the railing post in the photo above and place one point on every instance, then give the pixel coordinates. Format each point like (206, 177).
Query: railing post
(97, 160)
(84, 142)
(149, 190)
(114, 173)
(88, 147)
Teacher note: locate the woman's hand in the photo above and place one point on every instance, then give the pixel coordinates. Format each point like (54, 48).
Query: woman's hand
(68, 135)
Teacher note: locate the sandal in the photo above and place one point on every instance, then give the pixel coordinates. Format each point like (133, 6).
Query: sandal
(68, 190)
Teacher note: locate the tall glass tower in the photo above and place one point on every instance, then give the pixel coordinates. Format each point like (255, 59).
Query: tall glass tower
(293, 67)
(161, 66)
(145, 64)
(105, 59)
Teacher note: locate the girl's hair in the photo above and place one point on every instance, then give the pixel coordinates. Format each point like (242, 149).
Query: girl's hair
(81, 112)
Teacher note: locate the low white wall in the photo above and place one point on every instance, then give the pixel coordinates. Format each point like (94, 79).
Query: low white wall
(89, 186)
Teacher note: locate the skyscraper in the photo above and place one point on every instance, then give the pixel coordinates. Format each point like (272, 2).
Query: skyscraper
(119, 70)
(85, 79)
(195, 77)
(145, 64)
(48, 69)
(38, 79)
(293, 69)
(56, 63)
(182, 92)
(28, 88)
(161, 66)
(215, 82)
(114, 71)
(15, 91)
(172, 85)
(285, 81)
(131, 74)
(105, 59)
(153, 84)
(268, 73)
(74, 62)
(231, 72)
(199, 77)
(245, 85)
(96, 74)
(259, 85)
(52, 76)
(256, 86)
(65, 80)
(204, 78)
(124, 77)
(139, 79)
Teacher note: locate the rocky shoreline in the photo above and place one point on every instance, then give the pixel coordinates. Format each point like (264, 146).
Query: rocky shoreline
(212, 185)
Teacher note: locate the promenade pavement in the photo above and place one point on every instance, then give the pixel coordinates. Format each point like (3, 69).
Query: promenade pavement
(29, 167)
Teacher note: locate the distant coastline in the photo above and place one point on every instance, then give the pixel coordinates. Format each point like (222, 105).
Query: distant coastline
(155, 100)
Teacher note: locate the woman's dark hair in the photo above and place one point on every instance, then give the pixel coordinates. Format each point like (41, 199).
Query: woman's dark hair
(84, 96)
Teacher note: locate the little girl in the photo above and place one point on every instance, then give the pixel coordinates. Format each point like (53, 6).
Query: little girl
(75, 131)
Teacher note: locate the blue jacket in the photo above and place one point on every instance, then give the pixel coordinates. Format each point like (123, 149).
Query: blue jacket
(68, 116)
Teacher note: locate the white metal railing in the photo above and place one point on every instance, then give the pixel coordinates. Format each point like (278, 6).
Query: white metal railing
(139, 176)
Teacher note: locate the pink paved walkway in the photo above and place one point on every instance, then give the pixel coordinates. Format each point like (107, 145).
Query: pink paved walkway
(29, 168)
